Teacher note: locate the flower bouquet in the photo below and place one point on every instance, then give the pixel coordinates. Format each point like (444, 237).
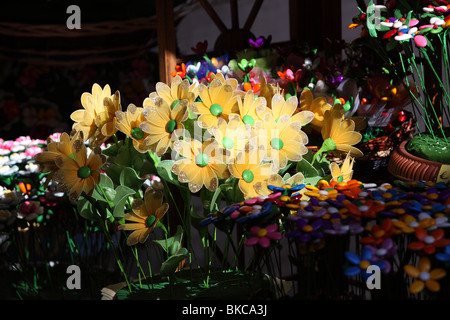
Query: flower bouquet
(410, 38)
(157, 171)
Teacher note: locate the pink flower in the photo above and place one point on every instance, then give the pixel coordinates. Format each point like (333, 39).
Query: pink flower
(263, 236)
(30, 210)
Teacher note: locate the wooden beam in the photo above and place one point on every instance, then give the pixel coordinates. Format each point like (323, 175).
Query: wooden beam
(252, 15)
(166, 39)
(234, 14)
(213, 15)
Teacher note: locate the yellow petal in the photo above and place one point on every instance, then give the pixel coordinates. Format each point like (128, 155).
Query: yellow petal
(416, 287)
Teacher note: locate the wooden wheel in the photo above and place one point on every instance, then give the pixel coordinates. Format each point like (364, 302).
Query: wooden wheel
(235, 38)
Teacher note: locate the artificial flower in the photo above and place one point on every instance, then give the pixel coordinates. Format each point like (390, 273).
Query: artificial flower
(428, 242)
(97, 120)
(164, 124)
(129, 123)
(230, 81)
(79, 172)
(251, 172)
(360, 264)
(145, 216)
(180, 70)
(424, 276)
(281, 106)
(217, 101)
(55, 149)
(180, 89)
(283, 139)
(268, 90)
(232, 136)
(344, 172)
(263, 236)
(307, 230)
(203, 164)
(317, 105)
(30, 210)
(339, 134)
(248, 106)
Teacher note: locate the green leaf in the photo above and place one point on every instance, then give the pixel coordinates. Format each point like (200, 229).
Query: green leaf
(120, 199)
(169, 266)
(106, 181)
(307, 169)
(223, 188)
(113, 172)
(129, 177)
(87, 211)
(371, 17)
(164, 170)
(172, 245)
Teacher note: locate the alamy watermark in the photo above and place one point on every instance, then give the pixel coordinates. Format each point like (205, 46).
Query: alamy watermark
(74, 20)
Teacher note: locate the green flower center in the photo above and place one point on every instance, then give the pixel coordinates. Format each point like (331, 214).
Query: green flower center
(248, 176)
(248, 120)
(137, 133)
(174, 103)
(228, 143)
(216, 110)
(202, 159)
(84, 172)
(276, 143)
(150, 220)
(171, 125)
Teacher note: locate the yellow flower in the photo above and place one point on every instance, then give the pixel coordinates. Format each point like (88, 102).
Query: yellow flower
(129, 123)
(424, 276)
(179, 90)
(231, 81)
(318, 106)
(97, 120)
(145, 216)
(251, 172)
(339, 134)
(79, 172)
(284, 140)
(248, 106)
(280, 107)
(267, 91)
(164, 124)
(345, 171)
(203, 164)
(279, 181)
(217, 101)
(231, 136)
(55, 149)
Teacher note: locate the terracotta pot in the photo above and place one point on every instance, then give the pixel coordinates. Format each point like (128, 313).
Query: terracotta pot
(405, 166)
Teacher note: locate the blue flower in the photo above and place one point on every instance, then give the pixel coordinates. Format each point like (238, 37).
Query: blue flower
(360, 264)
(444, 256)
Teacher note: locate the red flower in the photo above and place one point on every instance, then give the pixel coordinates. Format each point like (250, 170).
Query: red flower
(379, 233)
(428, 242)
(180, 70)
(200, 47)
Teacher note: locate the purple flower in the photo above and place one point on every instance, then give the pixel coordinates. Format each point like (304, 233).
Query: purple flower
(307, 230)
